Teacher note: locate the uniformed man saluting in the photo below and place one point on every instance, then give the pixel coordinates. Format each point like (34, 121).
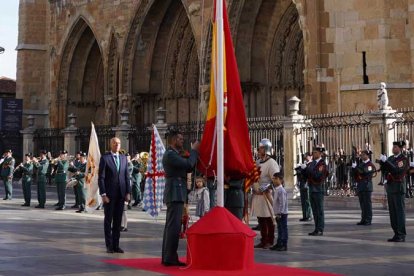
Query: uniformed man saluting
(316, 173)
(395, 169)
(363, 173)
(175, 193)
(7, 168)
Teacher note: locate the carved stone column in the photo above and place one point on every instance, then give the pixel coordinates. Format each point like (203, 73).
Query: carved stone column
(70, 135)
(123, 129)
(28, 135)
(161, 125)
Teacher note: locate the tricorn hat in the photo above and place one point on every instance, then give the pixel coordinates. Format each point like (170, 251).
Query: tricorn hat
(400, 144)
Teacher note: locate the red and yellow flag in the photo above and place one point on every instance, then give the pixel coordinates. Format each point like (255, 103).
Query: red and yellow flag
(238, 159)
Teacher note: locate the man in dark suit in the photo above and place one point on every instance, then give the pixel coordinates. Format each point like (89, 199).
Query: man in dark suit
(114, 188)
(176, 167)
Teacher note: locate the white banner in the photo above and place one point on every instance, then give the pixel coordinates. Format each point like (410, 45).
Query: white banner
(93, 200)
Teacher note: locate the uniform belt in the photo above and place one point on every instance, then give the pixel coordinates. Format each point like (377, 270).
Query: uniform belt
(60, 172)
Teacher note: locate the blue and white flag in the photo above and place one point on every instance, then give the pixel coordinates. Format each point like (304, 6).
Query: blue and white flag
(155, 176)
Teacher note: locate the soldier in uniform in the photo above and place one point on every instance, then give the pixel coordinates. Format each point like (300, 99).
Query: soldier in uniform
(27, 169)
(74, 167)
(62, 166)
(395, 169)
(80, 177)
(304, 189)
(136, 178)
(363, 173)
(262, 202)
(7, 168)
(234, 196)
(316, 173)
(176, 168)
(41, 166)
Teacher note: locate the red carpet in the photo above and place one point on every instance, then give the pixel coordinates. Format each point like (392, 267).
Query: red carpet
(154, 265)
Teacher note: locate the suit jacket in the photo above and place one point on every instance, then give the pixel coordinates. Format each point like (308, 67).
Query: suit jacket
(110, 181)
(176, 168)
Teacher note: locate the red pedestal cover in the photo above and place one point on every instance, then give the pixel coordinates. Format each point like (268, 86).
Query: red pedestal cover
(219, 241)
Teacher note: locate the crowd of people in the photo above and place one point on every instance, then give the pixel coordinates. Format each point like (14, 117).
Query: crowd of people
(120, 176)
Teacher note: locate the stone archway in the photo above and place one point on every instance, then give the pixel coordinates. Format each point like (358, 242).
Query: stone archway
(161, 63)
(81, 78)
(269, 50)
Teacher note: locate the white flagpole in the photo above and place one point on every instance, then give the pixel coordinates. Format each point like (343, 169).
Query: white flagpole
(220, 103)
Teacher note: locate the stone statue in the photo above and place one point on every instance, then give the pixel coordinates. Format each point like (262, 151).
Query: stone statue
(382, 97)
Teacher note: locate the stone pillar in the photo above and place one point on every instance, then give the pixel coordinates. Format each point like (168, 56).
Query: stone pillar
(69, 133)
(161, 125)
(28, 135)
(381, 126)
(122, 131)
(291, 130)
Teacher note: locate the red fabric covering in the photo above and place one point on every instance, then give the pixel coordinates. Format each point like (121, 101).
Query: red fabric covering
(154, 265)
(219, 241)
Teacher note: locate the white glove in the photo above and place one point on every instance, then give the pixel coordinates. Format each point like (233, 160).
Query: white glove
(354, 164)
(383, 158)
(411, 164)
(303, 166)
(298, 165)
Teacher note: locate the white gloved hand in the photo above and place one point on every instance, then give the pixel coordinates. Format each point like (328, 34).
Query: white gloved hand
(303, 166)
(354, 164)
(383, 158)
(411, 164)
(298, 165)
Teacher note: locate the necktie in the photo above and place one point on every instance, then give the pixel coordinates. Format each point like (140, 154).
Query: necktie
(117, 162)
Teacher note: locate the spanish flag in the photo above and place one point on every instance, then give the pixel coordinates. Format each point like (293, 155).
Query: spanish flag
(238, 159)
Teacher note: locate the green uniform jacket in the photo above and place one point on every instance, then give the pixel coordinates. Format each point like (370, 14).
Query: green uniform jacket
(176, 168)
(7, 167)
(27, 170)
(136, 174)
(42, 167)
(61, 170)
(396, 169)
(316, 173)
(82, 173)
(363, 176)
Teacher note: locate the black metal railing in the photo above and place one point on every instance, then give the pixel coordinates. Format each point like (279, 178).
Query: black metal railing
(140, 138)
(104, 133)
(12, 140)
(49, 139)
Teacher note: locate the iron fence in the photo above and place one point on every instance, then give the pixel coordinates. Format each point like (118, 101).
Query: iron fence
(140, 138)
(49, 139)
(12, 140)
(104, 133)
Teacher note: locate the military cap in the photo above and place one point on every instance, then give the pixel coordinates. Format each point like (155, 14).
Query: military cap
(79, 152)
(43, 152)
(400, 144)
(127, 154)
(8, 150)
(83, 154)
(28, 154)
(63, 152)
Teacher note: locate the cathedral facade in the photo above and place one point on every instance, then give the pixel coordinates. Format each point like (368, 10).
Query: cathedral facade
(94, 58)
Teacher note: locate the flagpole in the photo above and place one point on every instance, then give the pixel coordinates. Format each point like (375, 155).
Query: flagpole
(220, 103)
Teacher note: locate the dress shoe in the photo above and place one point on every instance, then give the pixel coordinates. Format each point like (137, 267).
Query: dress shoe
(60, 208)
(118, 250)
(129, 207)
(174, 264)
(123, 229)
(259, 245)
(80, 211)
(40, 206)
(305, 219)
(275, 247)
(135, 204)
(360, 223)
(316, 233)
(367, 223)
(267, 246)
(282, 248)
(397, 239)
(109, 250)
(25, 205)
(57, 204)
(74, 206)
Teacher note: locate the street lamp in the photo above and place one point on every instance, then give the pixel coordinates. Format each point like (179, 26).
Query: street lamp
(1, 50)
